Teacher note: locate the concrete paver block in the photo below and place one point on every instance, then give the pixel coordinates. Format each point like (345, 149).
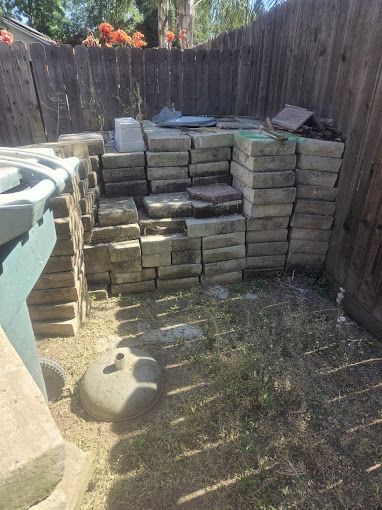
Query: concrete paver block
(320, 147)
(261, 249)
(158, 159)
(207, 210)
(209, 155)
(93, 140)
(179, 271)
(308, 234)
(212, 179)
(305, 259)
(311, 221)
(225, 266)
(310, 162)
(303, 246)
(233, 277)
(181, 243)
(209, 169)
(214, 226)
(267, 236)
(211, 140)
(269, 261)
(125, 251)
(156, 260)
(133, 288)
(179, 283)
(255, 144)
(314, 207)
(168, 205)
(307, 192)
(132, 277)
(283, 179)
(117, 212)
(169, 186)
(186, 257)
(268, 223)
(134, 173)
(155, 244)
(265, 163)
(266, 196)
(167, 140)
(266, 210)
(165, 173)
(115, 233)
(227, 253)
(215, 193)
(126, 188)
(316, 178)
(223, 240)
(117, 159)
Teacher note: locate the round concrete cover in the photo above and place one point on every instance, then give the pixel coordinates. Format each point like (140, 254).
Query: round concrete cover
(109, 394)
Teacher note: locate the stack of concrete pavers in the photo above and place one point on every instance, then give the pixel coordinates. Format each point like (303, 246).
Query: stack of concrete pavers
(209, 158)
(263, 170)
(112, 250)
(124, 174)
(318, 164)
(167, 160)
(59, 302)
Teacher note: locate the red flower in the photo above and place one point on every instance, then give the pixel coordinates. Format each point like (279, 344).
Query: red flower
(105, 28)
(6, 37)
(120, 37)
(170, 36)
(137, 41)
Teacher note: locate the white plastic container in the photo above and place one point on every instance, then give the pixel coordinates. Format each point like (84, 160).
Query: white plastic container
(128, 135)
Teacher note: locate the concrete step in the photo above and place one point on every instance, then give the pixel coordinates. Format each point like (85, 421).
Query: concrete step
(214, 193)
(168, 205)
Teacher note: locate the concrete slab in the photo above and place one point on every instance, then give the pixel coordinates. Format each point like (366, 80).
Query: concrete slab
(165, 173)
(208, 155)
(207, 210)
(215, 193)
(169, 186)
(320, 147)
(168, 205)
(211, 140)
(117, 212)
(134, 173)
(214, 226)
(254, 143)
(266, 210)
(115, 159)
(266, 196)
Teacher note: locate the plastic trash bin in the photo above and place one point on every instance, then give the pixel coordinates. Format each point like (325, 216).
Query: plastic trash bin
(27, 237)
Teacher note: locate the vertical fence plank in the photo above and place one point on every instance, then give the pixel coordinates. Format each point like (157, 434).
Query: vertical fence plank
(81, 57)
(66, 57)
(163, 64)
(213, 82)
(29, 93)
(151, 84)
(137, 81)
(266, 62)
(8, 132)
(124, 75)
(244, 81)
(189, 90)
(257, 54)
(176, 79)
(226, 82)
(201, 82)
(235, 78)
(97, 69)
(55, 70)
(16, 100)
(112, 85)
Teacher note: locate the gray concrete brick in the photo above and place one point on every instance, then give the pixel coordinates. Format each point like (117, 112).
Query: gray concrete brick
(156, 260)
(210, 140)
(168, 205)
(316, 193)
(265, 196)
(133, 288)
(305, 259)
(265, 163)
(224, 240)
(267, 210)
(93, 180)
(208, 210)
(226, 278)
(179, 271)
(253, 274)
(316, 178)
(115, 233)
(167, 140)
(272, 179)
(267, 236)
(154, 244)
(320, 147)
(311, 221)
(132, 276)
(209, 169)
(186, 257)
(169, 186)
(270, 261)
(255, 144)
(98, 252)
(126, 189)
(302, 246)
(95, 278)
(264, 249)
(158, 159)
(310, 162)
(212, 179)
(134, 173)
(125, 251)
(153, 226)
(93, 140)
(226, 266)
(181, 243)
(178, 284)
(117, 212)
(227, 253)
(208, 155)
(131, 266)
(308, 234)
(314, 207)
(214, 226)
(94, 161)
(165, 173)
(277, 222)
(123, 159)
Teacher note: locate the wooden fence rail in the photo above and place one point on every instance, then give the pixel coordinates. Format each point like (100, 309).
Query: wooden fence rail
(319, 54)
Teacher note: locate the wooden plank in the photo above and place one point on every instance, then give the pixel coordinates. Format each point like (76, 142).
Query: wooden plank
(151, 84)
(290, 41)
(235, 78)
(266, 62)
(189, 85)
(124, 74)
(16, 99)
(244, 83)
(201, 82)
(213, 58)
(81, 57)
(276, 104)
(66, 57)
(44, 91)
(55, 70)
(273, 90)
(257, 54)
(176, 79)
(8, 134)
(226, 84)
(29, 93)
(112, 85)
(163, 65)
(138, 82)
(99, 91)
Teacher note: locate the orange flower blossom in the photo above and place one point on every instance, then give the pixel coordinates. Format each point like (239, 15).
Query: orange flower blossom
(183, 34)
(170, 36)
(120, 37)
(105, 30)
(137, 40)
(6, 37)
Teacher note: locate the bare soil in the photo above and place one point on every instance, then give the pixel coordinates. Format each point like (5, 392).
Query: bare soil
(271, 402)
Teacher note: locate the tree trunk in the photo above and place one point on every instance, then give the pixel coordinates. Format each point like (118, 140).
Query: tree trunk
(162, 23)
(186, 18)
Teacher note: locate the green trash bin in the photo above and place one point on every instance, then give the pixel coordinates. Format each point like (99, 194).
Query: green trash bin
(27, 237)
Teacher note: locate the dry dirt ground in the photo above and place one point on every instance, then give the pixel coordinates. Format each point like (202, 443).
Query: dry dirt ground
(270, 402)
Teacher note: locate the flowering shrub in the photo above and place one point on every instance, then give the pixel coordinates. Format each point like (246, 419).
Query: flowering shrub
(6, 37)
(120, 37)
(105, 30)
(137, 40)
(183, 39)
(91, 41)
(170, 37)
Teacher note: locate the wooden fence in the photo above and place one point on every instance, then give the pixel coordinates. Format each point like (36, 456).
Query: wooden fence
(324, 55)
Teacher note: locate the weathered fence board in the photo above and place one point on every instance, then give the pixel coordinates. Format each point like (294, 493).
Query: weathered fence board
(213, 60)
(112, 86)
(176, 79)
(163, 78)
(151, 89)
(124, 75)
(201, 81)
(86, 88)
(189, 82)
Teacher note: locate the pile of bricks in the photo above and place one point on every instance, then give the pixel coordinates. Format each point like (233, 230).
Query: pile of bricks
(318, 164)
(59, 302)
(263, 170)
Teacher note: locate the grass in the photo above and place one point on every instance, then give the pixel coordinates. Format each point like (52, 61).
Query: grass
(275, 406)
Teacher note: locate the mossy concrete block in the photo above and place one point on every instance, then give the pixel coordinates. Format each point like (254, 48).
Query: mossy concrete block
(209, 155)
(32, 449)
(158, 159)
(123, 160)
(255, 144)
(117, 212)
(265, 163)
